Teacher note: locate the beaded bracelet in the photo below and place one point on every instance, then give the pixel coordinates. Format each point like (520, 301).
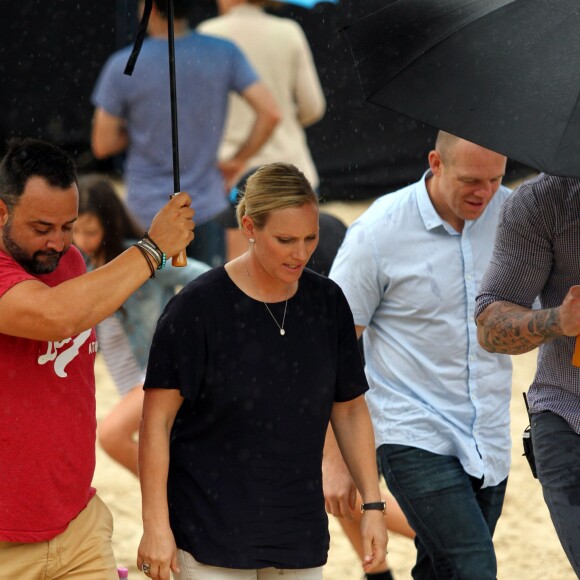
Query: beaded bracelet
(163, 260)
(147, 259)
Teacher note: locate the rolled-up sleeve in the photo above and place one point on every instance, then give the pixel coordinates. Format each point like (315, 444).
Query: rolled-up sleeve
(522, 257)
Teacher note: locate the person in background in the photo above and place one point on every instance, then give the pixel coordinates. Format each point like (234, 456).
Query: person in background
(133, 115)
(410, 267)
(248, 364)
(278, 50)
(51, 520)
(536, 255)
(104, 229)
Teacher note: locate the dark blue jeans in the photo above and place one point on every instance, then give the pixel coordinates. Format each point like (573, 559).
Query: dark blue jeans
(557, 452)
(453, 516)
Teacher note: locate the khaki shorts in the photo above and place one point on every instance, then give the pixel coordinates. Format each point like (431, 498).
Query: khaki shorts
(193, 570)
(82, 552)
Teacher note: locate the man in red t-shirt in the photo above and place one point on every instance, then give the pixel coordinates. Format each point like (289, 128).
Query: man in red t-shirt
(51, 521)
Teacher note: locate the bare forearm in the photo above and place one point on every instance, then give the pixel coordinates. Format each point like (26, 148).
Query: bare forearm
(35, 311)
(337, 483)
(117, 143)
(331, 451)
(260, 133)
(267, 117)
(233, 168)
(311, 106)
(153, 470)
(157, 546)
(508, 328)
(160, 406)
(103, 291)
(353, 429)
(38, 312)
(354, 433)
(109, 135)
(335, 475)
(100, 293)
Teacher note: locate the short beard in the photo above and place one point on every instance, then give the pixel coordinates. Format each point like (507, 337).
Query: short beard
(32, 264)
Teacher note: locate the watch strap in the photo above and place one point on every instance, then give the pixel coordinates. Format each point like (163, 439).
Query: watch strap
(375, 505)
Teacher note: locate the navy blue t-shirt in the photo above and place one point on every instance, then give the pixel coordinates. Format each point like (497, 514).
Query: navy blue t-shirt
(245, 481)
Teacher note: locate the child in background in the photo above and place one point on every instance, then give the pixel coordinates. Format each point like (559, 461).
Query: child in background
(102, 231)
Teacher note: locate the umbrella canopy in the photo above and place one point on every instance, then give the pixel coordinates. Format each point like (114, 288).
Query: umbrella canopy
(504, 74)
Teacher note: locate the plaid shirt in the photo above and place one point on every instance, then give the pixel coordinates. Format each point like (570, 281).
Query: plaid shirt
(537, 253)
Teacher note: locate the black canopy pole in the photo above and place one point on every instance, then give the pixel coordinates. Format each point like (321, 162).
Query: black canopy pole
(181, 258)
(173, 92)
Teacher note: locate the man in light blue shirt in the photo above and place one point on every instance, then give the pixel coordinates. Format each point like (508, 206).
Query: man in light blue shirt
(410, 267)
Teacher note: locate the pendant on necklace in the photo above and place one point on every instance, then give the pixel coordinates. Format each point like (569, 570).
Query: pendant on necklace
(281, 328)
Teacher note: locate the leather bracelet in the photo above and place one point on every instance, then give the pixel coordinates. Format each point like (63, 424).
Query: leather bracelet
(151, 251)
(146, 243)
(147, 259)
(163, 258)
(375, 505)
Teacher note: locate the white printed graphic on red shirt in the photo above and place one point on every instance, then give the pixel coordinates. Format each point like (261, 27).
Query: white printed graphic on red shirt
(62, 358)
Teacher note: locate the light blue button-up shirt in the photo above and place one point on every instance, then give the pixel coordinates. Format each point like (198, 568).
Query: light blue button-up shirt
(411, 279)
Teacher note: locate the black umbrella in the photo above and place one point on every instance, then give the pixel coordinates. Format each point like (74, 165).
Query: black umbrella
(181, 258)
(504, 74)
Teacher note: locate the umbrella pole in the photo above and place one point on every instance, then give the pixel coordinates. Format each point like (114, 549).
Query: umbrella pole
(181, 258)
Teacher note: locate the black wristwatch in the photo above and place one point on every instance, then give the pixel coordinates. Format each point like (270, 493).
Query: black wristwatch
(375, 505)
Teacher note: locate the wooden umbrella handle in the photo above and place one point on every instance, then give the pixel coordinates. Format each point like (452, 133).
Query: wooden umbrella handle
(180, 260)
(576, 355)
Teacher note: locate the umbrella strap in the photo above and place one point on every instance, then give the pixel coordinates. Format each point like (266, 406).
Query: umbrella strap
(140, 38)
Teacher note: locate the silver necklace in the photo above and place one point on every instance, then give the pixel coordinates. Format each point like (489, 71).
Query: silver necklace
(280, 328)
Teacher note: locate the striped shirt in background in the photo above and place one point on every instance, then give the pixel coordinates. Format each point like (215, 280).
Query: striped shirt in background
(119, 358)
(537, 253)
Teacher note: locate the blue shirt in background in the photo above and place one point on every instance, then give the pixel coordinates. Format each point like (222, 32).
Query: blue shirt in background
(206, 70)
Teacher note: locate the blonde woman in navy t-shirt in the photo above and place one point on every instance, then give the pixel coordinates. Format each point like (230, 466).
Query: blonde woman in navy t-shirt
(248, 364)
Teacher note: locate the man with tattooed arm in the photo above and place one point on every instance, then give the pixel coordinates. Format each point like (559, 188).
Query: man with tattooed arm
(537, 253)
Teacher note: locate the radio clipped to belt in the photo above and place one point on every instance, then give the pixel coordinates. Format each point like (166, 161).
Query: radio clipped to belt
(527, 441)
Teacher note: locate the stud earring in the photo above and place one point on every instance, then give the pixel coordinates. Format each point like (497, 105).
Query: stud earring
(252, 241)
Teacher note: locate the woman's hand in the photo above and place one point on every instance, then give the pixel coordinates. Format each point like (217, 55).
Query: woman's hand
(158, 552)
(352, 427)
(375, 539)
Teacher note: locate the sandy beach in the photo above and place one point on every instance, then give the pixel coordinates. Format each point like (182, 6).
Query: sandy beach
(526, 544)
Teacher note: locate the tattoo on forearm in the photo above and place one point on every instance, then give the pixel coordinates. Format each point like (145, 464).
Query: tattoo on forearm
(511, 329)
